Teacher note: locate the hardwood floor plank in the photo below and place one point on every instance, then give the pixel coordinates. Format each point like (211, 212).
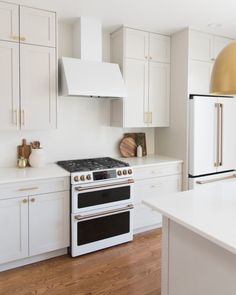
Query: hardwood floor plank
(128, 269)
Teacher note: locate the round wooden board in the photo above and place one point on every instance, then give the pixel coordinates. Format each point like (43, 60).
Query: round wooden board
(128, 147)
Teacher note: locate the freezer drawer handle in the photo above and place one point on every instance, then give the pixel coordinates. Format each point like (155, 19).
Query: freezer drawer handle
(216, 179)
(105, 213)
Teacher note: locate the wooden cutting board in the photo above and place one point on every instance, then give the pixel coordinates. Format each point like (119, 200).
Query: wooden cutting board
(24, 150)
(139, 138)
(128, 147)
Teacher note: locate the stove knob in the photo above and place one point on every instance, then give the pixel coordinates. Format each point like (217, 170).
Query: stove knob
(76, 178)
(124, 172)
(130, 171)
(88, 177)
(119, 173)
(82, 177)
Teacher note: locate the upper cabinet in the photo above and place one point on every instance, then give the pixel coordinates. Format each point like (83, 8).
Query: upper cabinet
(9, 21)
(144, 59)
(28, 72)
(37, 27)
(203, 50)
(205, 47)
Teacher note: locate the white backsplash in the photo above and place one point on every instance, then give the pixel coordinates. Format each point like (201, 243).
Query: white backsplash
(83, 124)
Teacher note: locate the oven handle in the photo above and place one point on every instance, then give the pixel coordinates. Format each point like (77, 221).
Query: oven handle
(104, 213)
(81, 188)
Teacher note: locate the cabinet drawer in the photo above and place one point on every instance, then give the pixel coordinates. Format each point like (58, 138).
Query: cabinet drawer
(156, 171)
(29, 188)
(156, 187)
(145, 217)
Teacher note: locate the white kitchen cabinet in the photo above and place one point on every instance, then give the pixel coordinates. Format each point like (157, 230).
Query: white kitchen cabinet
(146, 73)
(37, 217)
(38, 87)
(136, 44)
(159, 48)
(48, 222)
(159, 93)
(37, 26)
(199, 77)
(151, 181)
(28, 92)
(9, 85)
(13, 229)
(137, 87)
(9, 22)
(206, 47)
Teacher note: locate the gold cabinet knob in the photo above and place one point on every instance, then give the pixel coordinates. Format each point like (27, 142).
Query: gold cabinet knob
(150, 57)
(16, 38)
(22, 39)
(32, 200)
(24, 201)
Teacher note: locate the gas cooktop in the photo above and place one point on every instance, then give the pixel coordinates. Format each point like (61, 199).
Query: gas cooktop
(91, 164)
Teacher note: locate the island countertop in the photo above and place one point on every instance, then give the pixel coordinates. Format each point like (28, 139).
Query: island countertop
(209, 212)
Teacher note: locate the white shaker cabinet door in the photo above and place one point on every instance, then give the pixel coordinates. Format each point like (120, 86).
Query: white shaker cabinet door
(136, 44)
(38, 87)
(9, 85)
(13, 229)
(227, 144)
(199, 77)
(159, 48)
(37, 26)
(9, 22)
(136, 80)
(159, 93)
(48, 222)
(200, 46)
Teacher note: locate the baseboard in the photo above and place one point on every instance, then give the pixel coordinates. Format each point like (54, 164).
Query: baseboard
(33, 259)
(147, 228)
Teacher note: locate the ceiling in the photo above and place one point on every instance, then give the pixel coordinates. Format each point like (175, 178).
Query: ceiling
(164, 16)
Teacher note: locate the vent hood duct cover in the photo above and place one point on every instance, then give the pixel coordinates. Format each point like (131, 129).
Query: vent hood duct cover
(91, 78)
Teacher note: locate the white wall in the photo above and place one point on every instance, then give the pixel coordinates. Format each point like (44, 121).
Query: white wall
(83, 124)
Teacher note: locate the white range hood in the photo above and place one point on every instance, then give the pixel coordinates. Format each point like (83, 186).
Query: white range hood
(85, 74)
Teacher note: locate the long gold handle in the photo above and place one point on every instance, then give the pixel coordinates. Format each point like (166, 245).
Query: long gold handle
(15, 117)
(28, 189)
(81, 188)
(22, 117)
(221, 135)
(148, 117)
(217, 135)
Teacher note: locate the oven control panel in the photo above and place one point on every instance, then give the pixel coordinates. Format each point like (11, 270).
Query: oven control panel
(93, 176)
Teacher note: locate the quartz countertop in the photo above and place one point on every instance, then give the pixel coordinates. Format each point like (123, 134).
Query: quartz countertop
(150, 160)
(209, 212)
(12, 175)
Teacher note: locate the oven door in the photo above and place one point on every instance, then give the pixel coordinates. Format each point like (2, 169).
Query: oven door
(95, 196)
(101, 229)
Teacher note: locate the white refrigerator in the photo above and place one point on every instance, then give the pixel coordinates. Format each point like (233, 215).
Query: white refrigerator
(212, 140)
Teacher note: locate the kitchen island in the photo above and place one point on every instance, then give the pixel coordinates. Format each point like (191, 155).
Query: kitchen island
(199, 240)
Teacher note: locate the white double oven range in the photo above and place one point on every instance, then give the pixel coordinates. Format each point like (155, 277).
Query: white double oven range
(101, 203)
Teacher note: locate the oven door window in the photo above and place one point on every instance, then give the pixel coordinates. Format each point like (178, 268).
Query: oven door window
(97, 229)
(104, 196)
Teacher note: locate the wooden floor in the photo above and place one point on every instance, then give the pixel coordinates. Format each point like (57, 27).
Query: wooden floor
(128, 269)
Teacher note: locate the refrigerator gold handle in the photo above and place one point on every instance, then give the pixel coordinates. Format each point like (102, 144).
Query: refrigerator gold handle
(217, 134)
(221, 135)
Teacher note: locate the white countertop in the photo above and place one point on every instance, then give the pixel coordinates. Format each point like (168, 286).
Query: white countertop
(209, 212)
(10, 175)
(150, 160)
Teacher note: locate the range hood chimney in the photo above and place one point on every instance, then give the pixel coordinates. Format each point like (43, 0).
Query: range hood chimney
(85, 74)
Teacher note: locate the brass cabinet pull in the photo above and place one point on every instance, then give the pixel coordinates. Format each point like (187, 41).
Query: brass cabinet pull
(221, 135)
(32, 200)
(28, 189)
(24, 201)
(22, 117)
(16, 38)
(148, 117)
(15, 117)
(22, 39)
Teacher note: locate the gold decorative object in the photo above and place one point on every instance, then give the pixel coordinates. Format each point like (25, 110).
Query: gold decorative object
(223, 77)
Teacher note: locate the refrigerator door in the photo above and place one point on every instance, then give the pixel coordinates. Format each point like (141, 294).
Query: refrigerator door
(227, 142)
(202, 135)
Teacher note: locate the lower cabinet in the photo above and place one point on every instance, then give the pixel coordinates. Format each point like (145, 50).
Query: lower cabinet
(33, 225)
(144, 217)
